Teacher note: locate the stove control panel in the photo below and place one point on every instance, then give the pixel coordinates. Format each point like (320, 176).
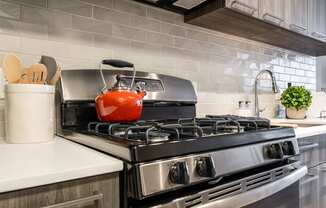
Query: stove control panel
(163, 175)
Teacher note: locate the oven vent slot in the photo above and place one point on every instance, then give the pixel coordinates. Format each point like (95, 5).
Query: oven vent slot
(225, 191)
(193, 201)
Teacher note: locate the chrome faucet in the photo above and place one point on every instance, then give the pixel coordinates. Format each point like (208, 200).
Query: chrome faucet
(274, 88)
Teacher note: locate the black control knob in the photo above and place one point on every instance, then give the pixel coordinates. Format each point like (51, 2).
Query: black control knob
(179, 173)
(288, 148)
(273, 151)
(205, 167)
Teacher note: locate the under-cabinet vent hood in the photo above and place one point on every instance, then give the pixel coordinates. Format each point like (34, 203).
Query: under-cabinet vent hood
(248, 20)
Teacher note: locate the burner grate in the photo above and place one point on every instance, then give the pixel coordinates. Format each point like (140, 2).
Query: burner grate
(174, 130)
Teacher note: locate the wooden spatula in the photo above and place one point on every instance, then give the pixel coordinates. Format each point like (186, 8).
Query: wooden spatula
(12, 68)
(36, 74)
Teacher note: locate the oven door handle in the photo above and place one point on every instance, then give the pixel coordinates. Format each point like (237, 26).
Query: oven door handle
(257, 194)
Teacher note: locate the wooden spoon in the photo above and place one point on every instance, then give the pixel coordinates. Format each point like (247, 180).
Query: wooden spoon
(12, 68)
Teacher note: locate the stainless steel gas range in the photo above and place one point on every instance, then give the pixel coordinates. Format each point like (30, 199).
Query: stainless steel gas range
(175, 160)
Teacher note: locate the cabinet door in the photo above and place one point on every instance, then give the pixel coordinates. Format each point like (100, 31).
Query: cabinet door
(296, 15)
(94, 192)
(273, 11)
(249, 7)
(317, 19)
(309, 190)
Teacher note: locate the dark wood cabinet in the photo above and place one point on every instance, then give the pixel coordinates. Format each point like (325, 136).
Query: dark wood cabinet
(93, 192)
(271, 27)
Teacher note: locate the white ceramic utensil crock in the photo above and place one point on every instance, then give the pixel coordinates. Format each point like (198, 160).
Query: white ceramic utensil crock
(29, 113)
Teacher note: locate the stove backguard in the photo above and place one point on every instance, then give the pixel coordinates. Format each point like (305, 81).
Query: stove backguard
(167, 97)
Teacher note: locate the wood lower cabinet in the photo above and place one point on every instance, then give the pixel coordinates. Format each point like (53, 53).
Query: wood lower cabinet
(313, 185)
(93, 192)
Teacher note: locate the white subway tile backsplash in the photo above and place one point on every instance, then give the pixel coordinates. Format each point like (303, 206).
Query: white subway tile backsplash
(126, 32)
(91, 25)
(8, 26)
(71, 6)
(9, 43)
(129, 6)
(145, 23)
(45, 17)
(161, 15)
(158, 38)
(101, 3)
(111, 15)
(9, 10)
(79, 33)
(173, 29)
(40, 3)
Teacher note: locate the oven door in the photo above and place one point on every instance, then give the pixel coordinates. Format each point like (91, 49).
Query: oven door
(270, 189)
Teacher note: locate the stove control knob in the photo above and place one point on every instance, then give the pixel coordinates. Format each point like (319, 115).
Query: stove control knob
(288, 148)
(179, 173)
(273, 151)
(205, 167)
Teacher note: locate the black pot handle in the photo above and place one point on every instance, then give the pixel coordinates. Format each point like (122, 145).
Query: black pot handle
(117, 63)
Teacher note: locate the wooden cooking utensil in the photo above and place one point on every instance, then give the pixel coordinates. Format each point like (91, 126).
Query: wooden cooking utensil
(36, 74)
(56, 76)
(12, 68)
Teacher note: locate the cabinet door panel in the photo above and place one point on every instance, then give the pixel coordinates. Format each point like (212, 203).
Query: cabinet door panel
(249, 7)
(273, 11)
(309, 191)
(94, 192)
(317, 19)
(296, 15)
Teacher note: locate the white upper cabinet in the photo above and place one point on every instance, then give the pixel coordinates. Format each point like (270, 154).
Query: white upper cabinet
(296, 15)
(317, 19)
(249, 7)
(273, 11)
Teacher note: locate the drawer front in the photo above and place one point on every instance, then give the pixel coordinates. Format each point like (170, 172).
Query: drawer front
(94, 192)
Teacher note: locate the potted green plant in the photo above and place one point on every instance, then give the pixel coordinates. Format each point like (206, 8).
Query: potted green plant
(296, 99)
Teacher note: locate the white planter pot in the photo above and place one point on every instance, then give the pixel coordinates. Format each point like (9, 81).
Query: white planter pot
(293, 113)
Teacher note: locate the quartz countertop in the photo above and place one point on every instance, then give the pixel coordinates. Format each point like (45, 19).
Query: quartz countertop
(303, 127)
(30, 165)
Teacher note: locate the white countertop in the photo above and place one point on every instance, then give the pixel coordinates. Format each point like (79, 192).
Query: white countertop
(304, 127)
(30, 165)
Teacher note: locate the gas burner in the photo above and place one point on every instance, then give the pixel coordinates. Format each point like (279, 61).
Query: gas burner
(249, 123)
